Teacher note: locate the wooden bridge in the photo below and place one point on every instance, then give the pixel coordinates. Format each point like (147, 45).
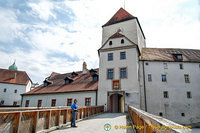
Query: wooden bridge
(57, 119)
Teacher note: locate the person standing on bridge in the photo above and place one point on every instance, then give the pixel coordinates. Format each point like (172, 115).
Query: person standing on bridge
(74, 108)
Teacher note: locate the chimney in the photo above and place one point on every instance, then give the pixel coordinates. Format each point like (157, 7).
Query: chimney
(84, 67)
(15, 75)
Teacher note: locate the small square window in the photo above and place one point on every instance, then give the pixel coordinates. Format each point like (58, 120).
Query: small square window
(122, 55)
(164, 78)
(165, 93)
(110, 43)
(88, 101)
(181, 66)
(110, 56)
(160, 114)
(165, 65)
(122, 41)
(2, 102)
(14, 103)
(187, 79)
(53, 102)
(149, 78)
(39, 103)
(27, 103)
(16, 91)
(69, 101)
(189, 94)
(183, 114)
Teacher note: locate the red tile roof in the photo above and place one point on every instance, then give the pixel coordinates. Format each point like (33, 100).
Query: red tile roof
(7, 76)
(167, 54)
(120, 16)
(82, 82)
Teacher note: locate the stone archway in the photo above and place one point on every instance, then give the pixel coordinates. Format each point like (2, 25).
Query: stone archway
(116, 103)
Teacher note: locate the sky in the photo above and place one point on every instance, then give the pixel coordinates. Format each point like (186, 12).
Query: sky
(48, 36)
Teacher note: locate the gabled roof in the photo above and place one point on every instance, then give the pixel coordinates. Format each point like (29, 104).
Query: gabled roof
(7, 76)
(120, 16)
(116, 35)
(82, 82)
(167, 54)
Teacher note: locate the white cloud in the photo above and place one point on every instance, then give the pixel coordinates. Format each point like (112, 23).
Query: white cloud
(43, 9)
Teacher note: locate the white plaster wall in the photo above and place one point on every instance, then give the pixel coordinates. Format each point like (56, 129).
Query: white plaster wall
(129, 85)
(61, 98)
(177, 102)
(10, 96)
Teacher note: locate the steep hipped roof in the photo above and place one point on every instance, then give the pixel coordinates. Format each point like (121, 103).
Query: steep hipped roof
(7, 76)
(167, 54)
(120, 16)
(82, 82)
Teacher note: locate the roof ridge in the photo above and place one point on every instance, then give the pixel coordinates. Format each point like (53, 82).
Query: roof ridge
(120, 16)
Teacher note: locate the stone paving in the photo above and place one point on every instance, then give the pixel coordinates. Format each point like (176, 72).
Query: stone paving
(96, 124)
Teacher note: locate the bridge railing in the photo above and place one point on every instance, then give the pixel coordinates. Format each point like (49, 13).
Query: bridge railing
(144, 122)
(33, 120)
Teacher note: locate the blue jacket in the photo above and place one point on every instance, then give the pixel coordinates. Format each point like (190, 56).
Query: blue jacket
(74, 106)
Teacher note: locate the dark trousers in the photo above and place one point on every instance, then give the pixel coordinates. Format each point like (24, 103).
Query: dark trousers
(73, 122)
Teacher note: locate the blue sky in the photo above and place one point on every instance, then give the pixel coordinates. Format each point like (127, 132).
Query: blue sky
(45, 36)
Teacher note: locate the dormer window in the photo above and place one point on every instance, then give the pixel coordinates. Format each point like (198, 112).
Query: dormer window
(95, 77)
(92, 71)
(74, 74)
(68, 80)
(47, 82)
(122, 41)
(178, 57)
(110, 43)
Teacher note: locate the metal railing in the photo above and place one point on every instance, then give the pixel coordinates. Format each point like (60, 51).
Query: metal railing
(29, 120)
(144, 122)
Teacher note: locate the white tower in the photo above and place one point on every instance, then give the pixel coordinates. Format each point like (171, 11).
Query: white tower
(122, 42)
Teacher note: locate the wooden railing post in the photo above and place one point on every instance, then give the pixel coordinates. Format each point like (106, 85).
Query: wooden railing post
(35, 120)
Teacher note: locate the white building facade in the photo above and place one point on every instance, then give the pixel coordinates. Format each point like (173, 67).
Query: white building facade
(13, 83)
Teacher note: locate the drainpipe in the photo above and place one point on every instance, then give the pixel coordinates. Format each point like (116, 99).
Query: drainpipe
(145, 100)
(96, 97)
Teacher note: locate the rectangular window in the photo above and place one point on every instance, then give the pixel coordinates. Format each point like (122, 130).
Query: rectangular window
(4, 90)
(187, 80)
(27, 103)
(53, 102)
(15, 91)
(110, 56)
(14, 103)
(189, 94)
(165, 93)
(149, 78)
(122, 55)
(165, 65)
(69, 101)
(123, 73)
(110, 73)
(164, 78)
(181, 66)
(39, 104)
(88, 101)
